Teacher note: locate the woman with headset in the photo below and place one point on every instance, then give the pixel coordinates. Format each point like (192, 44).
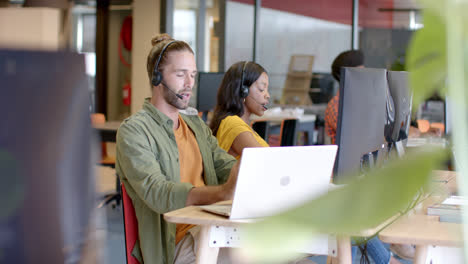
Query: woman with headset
(243, 91)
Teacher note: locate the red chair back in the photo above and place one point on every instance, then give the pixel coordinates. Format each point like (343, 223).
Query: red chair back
(130, 226)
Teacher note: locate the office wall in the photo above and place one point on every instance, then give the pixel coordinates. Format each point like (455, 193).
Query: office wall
(281, 35)
(31, 28)
(382, 47)
(238, 33)
(146, 24)
(339, 11)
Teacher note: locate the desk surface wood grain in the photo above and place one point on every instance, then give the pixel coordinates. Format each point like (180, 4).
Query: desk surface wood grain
(420, 229)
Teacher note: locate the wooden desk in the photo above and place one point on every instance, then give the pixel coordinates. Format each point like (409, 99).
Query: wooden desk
(196, 216)
(315, 109)
(418, 229)
(206, 254)
(306, 123)
(280, 117)
(423, 230)
(107, 131)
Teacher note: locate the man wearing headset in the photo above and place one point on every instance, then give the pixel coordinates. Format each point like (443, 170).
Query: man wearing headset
(167, 160)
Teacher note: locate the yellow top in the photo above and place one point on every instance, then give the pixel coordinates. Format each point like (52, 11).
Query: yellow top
(230, 127)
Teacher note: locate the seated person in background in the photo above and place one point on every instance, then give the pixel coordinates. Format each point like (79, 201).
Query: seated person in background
(168, 160)
(351, 58)
(243, 91)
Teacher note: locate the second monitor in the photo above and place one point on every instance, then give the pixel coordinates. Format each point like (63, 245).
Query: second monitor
(207, 88)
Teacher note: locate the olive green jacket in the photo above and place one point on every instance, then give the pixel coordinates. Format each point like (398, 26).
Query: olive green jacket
(148, 165)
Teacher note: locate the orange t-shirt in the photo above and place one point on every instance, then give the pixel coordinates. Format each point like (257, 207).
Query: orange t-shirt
(191, 165)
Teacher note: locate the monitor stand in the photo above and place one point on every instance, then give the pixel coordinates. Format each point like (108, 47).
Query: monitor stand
(367, 162)
(400, 149)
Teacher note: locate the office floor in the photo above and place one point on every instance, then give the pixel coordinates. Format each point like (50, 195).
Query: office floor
(115, 242)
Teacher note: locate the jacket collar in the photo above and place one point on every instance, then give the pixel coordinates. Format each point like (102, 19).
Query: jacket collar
(157, 115)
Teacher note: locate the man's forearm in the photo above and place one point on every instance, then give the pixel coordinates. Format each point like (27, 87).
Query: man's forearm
(206, 195)
(213, 194)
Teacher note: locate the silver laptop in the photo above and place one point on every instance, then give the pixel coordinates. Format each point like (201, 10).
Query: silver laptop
(272, 180)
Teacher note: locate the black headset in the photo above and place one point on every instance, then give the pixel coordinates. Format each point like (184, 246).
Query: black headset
(244, 89)
(157, 75)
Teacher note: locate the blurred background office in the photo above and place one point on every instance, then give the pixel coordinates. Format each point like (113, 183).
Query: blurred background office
(114, 35)
(296, 41)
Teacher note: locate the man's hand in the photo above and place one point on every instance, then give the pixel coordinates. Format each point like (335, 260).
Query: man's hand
(213, 194)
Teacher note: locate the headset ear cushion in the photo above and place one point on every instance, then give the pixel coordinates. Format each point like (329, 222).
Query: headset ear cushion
(244, 91)
(157, 78)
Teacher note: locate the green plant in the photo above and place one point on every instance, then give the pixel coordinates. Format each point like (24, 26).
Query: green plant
(437, 59)
(439, 62)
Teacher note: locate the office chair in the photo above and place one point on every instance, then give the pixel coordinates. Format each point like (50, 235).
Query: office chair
(288, 132)
(130, 226)
(262, 127)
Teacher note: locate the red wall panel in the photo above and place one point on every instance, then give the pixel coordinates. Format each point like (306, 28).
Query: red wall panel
(339, 11)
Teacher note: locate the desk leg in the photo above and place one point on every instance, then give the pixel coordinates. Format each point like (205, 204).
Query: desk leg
(205, 253)
(344, 251)
(420, 254)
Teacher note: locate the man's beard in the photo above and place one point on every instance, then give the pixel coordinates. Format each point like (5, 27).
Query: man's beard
(173, 100)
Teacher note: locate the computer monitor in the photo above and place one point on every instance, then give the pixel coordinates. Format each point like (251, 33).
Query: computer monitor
(47, 186)
(402, 98)
(361, 118)
(207, 89)
(322, 87)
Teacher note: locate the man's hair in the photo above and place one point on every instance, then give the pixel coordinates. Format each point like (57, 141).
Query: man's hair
(229, 100)
(158, 43)
(350, 58)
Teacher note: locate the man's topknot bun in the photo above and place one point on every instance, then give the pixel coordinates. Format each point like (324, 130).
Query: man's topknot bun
(160, 38)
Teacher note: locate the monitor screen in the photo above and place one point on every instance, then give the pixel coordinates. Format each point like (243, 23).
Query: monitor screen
(47, 191)
(402, 98)
(322, 88)
(361, 117)
(207, 89)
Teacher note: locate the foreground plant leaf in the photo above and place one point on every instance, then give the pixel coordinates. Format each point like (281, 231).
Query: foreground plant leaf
(361, 204)
(427, 58)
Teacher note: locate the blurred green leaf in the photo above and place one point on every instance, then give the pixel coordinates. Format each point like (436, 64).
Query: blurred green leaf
(361, 204)
(427, 58)
(399, 64)
(435, 6)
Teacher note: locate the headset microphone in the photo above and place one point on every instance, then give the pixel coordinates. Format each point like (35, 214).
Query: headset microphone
(264, 105)
(176, 94)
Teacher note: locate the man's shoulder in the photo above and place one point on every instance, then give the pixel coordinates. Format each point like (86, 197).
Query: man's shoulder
(137, 118)
(141, 120)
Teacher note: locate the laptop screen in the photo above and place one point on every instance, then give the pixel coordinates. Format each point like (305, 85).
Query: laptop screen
(272, 180)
